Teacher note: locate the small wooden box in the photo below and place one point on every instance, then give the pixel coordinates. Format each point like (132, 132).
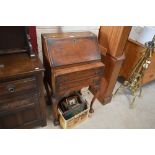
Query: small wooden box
(77, 118)
(74, 121)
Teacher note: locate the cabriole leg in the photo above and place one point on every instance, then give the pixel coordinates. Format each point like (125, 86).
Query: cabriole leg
(91, 105)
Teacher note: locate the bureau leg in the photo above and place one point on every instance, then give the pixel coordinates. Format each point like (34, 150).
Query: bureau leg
(92, 102)
(55, 110)
(91, 105)
(47, 91)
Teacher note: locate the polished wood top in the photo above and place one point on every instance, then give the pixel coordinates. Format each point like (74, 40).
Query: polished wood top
(16, 64)
(68, 35)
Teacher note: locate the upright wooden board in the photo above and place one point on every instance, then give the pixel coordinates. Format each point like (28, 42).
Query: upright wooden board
(114, 38)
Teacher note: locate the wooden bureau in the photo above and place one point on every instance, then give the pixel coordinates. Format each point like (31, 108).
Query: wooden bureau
(72, 61)
(22, 102)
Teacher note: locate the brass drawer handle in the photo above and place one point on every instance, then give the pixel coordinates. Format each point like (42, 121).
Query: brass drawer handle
(65, 88)
(96, 82)
(97, 71)
(65, 79)
(11, 88)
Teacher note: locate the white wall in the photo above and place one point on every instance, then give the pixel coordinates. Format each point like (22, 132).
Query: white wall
(135, 32)
(142, 34)
(55, 29)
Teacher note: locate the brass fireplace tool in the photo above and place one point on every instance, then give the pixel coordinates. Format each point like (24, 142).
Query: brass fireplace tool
(134, 82)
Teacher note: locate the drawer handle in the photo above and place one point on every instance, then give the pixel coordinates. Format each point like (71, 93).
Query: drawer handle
(97, 72)
(65, 79)
(66, 88)
(96, 82)
(11, 88)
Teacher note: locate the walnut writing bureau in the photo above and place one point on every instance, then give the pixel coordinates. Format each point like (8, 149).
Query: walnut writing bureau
(72, 61)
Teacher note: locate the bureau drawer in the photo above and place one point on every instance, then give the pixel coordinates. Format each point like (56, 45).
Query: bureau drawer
(76, 76)
(16, 86)
(77, 85)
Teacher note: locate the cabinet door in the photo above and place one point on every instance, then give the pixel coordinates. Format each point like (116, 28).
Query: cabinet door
(23, 113)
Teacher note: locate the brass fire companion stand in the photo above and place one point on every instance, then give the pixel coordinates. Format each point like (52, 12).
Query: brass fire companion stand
(135, 79)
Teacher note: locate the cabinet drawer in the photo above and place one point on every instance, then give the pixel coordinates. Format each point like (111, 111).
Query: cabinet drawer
(23, 113)
(28, 101)
(16, 86)
(76, 76)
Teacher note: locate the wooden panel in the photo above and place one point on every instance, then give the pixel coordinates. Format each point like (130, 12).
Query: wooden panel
(20, 114)
(76, 76)
(72, 48)
(77, 68)
(33, 35)
(9, 121)
(61, 29)
(114, 38)
(84, 82)
(24, 119)
(133, 52)
(113, 65)
(15, 39)
(21, 103)
(12, 37)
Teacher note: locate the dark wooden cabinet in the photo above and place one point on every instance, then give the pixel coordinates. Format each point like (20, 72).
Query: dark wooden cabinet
(72, 61)
(22, 102)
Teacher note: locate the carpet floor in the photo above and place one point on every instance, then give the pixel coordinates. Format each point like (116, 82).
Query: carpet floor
(117, 114)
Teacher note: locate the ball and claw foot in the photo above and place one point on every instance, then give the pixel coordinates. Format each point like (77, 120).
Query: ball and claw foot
(56, 122)
(91, 110)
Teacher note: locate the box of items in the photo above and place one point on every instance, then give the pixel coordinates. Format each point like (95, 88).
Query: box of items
(72, 111)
